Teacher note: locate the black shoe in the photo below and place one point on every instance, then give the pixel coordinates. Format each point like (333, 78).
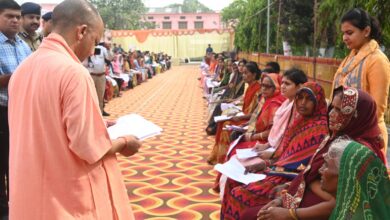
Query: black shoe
(105, 114)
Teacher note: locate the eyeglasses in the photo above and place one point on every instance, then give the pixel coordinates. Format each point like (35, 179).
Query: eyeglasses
(267, 86)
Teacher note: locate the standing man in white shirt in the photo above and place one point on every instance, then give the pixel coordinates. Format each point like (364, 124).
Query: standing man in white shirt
(97, 67)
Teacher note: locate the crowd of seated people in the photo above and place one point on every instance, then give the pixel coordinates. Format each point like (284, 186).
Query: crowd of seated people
(133, 68)
(302, 145)
(123, 70)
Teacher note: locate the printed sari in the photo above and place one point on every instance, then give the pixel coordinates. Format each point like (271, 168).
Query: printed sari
(358, 111)
(263, 118)
(222, 139)
(300, 141)
(363, 188)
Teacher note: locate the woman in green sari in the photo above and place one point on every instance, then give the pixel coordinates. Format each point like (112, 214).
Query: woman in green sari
(359, 181)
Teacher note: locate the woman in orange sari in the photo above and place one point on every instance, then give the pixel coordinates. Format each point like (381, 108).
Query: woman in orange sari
(251, 76)
(261, 121)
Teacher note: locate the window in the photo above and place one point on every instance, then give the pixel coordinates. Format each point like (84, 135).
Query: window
(198, 17)
(150, 17)
(167, 25)
(182, 24)
(182, 17)
(198, 24)
(166, 17)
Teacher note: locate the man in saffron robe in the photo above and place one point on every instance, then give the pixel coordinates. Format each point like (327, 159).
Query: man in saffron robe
(62, 162)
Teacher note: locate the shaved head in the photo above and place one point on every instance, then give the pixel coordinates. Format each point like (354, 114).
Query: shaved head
(75, 12)
(80, 24)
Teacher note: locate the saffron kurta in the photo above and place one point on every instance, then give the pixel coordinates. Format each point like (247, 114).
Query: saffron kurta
(369, 70)
(58, 140)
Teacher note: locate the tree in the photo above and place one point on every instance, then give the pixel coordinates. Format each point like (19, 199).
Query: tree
(121, 14)
(251, 19)
(231, 14)
(297, 24)
(191, 6)
(332, 10)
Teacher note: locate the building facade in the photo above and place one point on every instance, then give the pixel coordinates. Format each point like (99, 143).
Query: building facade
(184, 21)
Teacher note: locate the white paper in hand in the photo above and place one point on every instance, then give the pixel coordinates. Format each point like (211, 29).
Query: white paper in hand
(246, 153)
(222, 118)
(235, 170)
(133, 124)
(225, 106)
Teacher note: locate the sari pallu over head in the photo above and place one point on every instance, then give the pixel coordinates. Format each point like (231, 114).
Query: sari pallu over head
(303, 136)
(358, 110)
(265, 115)
(250, 97)
(363, 189)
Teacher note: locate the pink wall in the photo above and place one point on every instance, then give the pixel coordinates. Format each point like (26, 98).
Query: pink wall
(210, 20)
(46, 7)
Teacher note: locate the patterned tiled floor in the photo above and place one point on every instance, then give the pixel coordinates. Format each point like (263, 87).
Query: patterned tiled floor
(169, 178)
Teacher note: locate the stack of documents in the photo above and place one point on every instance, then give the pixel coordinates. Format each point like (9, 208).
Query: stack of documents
(225, 117)
(226, 106)
(236, 171)
(211, 84)
(134, 124)
(235, 128)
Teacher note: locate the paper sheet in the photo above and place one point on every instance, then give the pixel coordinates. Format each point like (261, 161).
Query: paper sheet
(271, 149)
(246, 153)
(234, 143)
(134, 124)
(235, 170)
(222, 118)
(235, 128)
(211, 84)
(249, 153)
(225, 106)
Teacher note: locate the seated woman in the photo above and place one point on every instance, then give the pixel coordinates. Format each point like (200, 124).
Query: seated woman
(261, 121)
(367, 196)
(353, 115)
(234, 91)
(251, 76)
(300, 141)
(355, 178)
(236, 86)
(216, 92)
(225, 77)
(292, 81)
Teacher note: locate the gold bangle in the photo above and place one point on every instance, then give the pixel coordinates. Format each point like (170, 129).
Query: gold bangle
(293, 214)
(261, 136)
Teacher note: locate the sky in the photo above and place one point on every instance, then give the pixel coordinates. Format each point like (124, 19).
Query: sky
(216, 5)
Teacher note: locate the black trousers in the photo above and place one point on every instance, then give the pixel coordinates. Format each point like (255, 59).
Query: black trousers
(4, 159)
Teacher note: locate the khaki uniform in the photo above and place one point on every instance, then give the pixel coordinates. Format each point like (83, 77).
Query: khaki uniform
(33, 41)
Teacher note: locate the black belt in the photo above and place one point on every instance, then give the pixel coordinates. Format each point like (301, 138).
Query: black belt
(98, 74)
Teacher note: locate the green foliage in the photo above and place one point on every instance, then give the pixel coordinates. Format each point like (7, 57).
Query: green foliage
(233, 11)
(191, 6)
(297, 23)
(251, 27)
(333, 10)
(121, 14)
